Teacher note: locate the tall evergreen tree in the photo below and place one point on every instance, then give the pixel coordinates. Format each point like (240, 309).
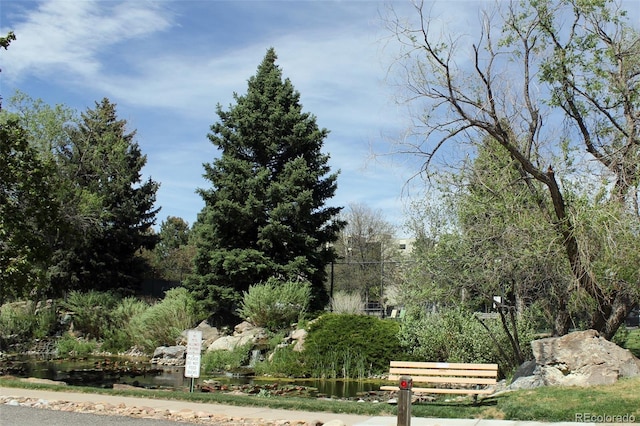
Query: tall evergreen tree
(109, 209)
(265, 214)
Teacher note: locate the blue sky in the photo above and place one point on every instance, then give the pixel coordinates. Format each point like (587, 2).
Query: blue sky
(167, 64)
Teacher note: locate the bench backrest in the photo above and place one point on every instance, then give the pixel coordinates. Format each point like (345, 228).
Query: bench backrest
(445, 372)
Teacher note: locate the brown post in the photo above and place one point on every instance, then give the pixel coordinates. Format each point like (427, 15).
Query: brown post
(404, 401)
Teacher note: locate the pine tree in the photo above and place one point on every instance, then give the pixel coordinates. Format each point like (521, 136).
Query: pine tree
(109, 210)
(265, 215)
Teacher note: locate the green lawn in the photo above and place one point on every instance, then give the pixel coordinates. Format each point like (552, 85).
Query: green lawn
(543, 404)
(633, 342)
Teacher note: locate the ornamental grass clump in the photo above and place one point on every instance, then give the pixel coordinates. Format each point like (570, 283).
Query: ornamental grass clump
(25, 321)
(91, 312)
(120, 337)
(347, 303)
(226, 360)
(162, 323)
(275, 304)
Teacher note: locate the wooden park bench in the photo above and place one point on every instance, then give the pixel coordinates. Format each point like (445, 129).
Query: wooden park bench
(445, 377)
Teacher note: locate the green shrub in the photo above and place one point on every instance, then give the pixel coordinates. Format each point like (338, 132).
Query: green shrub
(46, 321)
(16, 320)
(349, 346)
(68, 345)
(222, 360)
(25, 321)
(621, 336)
(275, 304)
(127, 309)
(116, 341)
(276, 338)
(454, 335)
(91, 312)
(162, 323)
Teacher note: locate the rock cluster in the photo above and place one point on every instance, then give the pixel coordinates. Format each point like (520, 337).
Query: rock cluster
(196, 417)
(582, 358)
(243, 333)
(209, 334)
(214, 340)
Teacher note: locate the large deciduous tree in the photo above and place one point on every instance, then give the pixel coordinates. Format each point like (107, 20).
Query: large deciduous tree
(172, 257)
(28, 211)
(366, 253)
(265, 214)
(559, 80)
(28, 214)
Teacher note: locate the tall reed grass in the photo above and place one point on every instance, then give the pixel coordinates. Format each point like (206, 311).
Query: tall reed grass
(347, 303)
(162, 323)
(338, 364)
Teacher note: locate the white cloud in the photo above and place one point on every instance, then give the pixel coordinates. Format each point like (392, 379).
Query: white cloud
(69, 37)
(146, 58)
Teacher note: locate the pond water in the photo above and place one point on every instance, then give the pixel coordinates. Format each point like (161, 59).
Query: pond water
(105, 372)
(96, 372)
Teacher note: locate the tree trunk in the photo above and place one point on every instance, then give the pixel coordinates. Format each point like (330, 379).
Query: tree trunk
(620, 308)
(562, 320)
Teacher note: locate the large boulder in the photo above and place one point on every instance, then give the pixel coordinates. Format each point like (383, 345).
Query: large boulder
(169, 355)
(582, 358)
(227, 343)
(209, 334)
(298, 336)
(244, 333)
(243, 327)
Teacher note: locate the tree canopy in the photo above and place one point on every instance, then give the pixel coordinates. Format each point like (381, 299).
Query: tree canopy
(546, 81)
(111, 208)
(265, 215)
(75, 200)
(172, 257)
(28, 213)
(367, 254)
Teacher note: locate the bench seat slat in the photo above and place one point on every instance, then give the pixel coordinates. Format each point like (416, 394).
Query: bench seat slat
(457, 380)
(446, 365)
(459, 376)
(442, 390)
(440, 372)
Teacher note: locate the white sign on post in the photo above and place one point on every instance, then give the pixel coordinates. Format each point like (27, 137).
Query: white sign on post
(194, 346)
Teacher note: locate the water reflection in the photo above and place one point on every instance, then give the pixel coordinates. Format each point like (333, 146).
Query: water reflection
(342, 388)
(105, 372)
(98, 372)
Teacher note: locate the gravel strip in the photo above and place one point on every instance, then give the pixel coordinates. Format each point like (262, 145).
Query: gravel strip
(184, 416)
